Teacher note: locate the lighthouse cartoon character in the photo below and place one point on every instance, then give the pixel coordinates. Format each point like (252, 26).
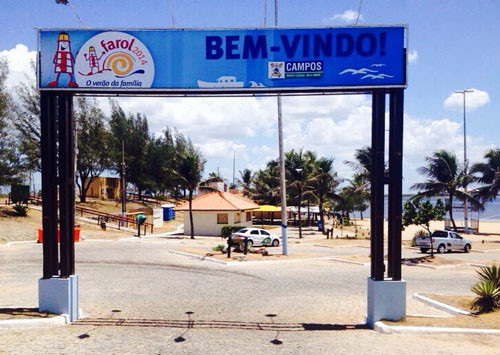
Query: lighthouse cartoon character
(93, 60)
(63, 60)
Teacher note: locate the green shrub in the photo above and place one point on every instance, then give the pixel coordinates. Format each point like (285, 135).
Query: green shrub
(226, 231)
(490, 273)
(488, 297)
(219, 247)
(20, 209)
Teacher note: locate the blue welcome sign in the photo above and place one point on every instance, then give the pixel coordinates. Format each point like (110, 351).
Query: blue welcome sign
(232, 60)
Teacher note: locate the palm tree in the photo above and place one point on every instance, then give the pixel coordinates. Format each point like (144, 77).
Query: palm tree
(324, 183)
(299, 170)
(213, 177)
(358, 187)
(363, 163)
(189, 171)
(445, 177)
(246, 181)
(490, 175)
(266, 183)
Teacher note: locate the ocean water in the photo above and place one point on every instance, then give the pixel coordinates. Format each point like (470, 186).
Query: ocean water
(491, 211)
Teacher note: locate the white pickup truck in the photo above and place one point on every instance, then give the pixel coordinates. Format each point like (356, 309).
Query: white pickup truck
(442, 241)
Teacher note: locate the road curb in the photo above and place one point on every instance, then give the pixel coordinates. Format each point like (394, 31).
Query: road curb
(381, 327)
(440, 305)
(477, 265)
(205, 258)
(338, 246)
(34, 322)
(242, 262)
(349, 261)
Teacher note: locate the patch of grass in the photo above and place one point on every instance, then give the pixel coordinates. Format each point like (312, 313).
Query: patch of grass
(219, 247)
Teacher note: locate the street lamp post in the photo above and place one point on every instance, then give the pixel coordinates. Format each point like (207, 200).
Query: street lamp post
(284, 222)
(466, 224)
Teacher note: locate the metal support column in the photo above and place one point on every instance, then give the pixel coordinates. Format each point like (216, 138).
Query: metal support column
(395, 183)
(66, 184)
(48, 106)
(377, 186)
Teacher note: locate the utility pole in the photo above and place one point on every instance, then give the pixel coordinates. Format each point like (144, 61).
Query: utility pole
(234, 164)
(122, 181)
(466, 212)
(284, 222)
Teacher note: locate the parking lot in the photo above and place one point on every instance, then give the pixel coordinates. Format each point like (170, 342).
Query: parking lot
(197, 305)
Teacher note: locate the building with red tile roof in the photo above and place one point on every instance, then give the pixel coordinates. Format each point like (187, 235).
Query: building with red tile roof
(217, 209)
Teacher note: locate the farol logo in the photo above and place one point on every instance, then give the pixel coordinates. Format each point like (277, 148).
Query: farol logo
(114, 60)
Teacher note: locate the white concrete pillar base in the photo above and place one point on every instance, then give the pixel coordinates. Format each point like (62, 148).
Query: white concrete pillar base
(386, 300)
(58, 295)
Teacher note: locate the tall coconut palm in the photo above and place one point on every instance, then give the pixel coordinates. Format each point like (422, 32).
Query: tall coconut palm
(189, 170)
(363, 166)
(445, 177)
(363, 163)
(266, 189)
(358, 186)
(489, 175)
(299, 170)
(246, 181)
(324, 182)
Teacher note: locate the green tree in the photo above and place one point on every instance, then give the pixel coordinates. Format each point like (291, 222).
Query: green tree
(213, 177)
(27, 120)
(445, 177)
(133, 131)
(94, 140)
(10, 161)
(489, 175)
(266, 189)
(324, 182)
(359, 188)
(345, 204)
(190, 169)
(421, 213)
(299, 172)
(246, 181)
(363, 163)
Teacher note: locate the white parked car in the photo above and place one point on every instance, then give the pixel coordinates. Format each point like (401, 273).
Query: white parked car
(258, 237)
(442, 241)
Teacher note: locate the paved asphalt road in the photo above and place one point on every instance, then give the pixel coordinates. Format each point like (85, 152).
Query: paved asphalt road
(319, 305)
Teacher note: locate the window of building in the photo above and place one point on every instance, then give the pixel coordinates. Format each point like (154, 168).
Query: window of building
(222, 218)
(249, 216)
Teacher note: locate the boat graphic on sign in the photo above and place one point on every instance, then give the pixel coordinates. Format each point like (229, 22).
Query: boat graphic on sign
(222, 82)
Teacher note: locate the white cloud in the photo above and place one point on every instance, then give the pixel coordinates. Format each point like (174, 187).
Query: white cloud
(19, 60)
(412, 56)
(474, 99)
(346, 17)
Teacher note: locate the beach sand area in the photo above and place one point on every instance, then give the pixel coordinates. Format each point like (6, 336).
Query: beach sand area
(14, 228)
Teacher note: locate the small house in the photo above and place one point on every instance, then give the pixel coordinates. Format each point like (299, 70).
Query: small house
(214, 210)
(105, 188)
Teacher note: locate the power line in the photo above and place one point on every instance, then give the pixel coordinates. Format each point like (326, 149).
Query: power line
(67, 2)
(171, 12)
(265, 13)
(359, 13)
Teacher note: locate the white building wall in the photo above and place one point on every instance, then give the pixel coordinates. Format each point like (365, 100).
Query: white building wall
(205, 222)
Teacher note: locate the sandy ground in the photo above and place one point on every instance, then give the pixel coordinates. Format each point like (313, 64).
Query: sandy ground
(14, 229)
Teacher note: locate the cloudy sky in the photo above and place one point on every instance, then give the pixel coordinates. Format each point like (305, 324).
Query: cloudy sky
(453, 45)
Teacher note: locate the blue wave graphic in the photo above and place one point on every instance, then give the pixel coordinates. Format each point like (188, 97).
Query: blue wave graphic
(140, 71)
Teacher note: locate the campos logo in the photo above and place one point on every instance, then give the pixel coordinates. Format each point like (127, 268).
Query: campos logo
(114, 60)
